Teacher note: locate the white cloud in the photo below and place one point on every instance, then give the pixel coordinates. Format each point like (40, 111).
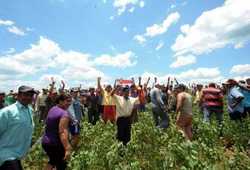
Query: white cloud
(123, 5)
(142, 4)
(44, 57)
(172, 6)
(125, 29)
(199, 75)
(158, 29)
(241, 69)
(216, 28)
(159, 46)
(104, 1)
(16, 30)
(123, 60)
(131, 10)
(6, 22)
(183, 61)
(140, 39)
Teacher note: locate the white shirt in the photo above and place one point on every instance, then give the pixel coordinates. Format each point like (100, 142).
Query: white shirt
(124, 107)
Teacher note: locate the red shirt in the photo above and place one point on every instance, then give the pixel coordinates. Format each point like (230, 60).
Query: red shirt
(212, 97)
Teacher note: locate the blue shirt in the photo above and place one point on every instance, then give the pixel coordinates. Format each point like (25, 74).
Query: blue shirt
(246, 94)
(156, 98)
(75, 110)
(16, 127)
(234, 93)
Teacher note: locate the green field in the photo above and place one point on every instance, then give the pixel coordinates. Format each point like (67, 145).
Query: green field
(153, 148)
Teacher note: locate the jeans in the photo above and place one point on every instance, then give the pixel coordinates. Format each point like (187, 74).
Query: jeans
(207, 112)
(160, 116)
(93, 115)
(124, 129)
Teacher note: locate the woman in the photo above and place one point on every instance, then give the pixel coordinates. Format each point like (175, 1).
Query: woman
(55, 141)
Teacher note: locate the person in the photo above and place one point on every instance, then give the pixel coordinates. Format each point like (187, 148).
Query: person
(159, 110)
(234, 100)
(10, 98)
(124, 108)
(75, 111)
(142, 93)
(184, 111)
(2, 103)
(41, 105)
(198, 95)
(109, 110)
(55, 141)
(245, 90)
(16, 128)
(134, 93)
(212, 102)
(92, 101)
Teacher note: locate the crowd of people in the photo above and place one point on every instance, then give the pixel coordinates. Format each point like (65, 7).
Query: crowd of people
(62, 112)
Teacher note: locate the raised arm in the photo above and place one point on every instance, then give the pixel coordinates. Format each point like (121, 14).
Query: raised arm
(139, 81)
(63, 85)
(52, 85)
(99, 84)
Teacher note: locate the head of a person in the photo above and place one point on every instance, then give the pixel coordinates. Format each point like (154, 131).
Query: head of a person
(213, 85)
(230, 83)
(179, 88)
(133, 88)
(158, 86)
(199, 87)
(64, 101)
(74, 93)
(125, 92)
(44, 91)
(92, 90)
(248, 81)
(108, 88)
(25, 95)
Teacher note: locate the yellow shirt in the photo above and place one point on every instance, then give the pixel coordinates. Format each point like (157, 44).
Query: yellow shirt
(107, 99)
(124, 107)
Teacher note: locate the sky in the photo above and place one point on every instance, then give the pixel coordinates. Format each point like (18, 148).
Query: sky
(80, 40)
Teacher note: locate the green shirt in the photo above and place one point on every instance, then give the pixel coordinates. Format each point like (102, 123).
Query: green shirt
(16, 127)
(9, 100)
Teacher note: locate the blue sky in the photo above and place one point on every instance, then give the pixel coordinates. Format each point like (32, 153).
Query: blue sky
(79, 40)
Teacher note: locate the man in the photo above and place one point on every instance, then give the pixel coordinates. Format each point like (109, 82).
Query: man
(124, 108)
(235, 98)
(2, 96)
(92, 101)
(160, 114)
(41, 105)
(75, 111)
(212, 102)
(245, 90)
(16, 127)
(184, 111)
(109, 110)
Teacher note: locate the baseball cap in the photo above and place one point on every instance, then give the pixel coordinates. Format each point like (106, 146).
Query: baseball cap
(26, 89)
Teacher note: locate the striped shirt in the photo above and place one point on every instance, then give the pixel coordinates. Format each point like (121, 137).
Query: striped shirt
(212, 97)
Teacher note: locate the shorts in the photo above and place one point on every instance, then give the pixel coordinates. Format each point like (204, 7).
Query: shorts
(109, 113)
(184, 120)
(74, 129)
(56, 155)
